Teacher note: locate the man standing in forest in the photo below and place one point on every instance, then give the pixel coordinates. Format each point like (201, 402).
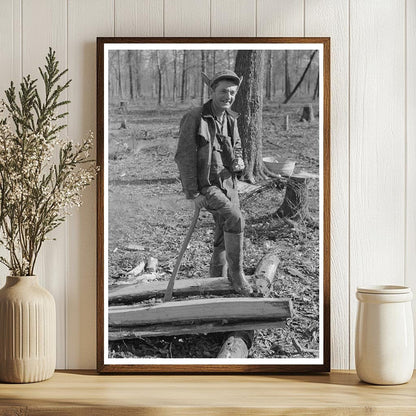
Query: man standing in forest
(209, 155)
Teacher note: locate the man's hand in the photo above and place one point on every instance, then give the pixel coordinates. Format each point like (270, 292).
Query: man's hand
(200, 202)
(238, 165)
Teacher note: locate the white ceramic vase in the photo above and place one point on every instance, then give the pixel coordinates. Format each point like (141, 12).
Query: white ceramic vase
(27, 331)
(384, 343)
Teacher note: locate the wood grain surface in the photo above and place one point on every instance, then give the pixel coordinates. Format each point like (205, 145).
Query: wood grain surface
(330, 18)
(81, 254)
(377, 148)
(373, 150)
(85, 393)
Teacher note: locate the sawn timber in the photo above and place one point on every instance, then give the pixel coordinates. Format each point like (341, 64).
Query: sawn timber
(198, 316)
(131, 293)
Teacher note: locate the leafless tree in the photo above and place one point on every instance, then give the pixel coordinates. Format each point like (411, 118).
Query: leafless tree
(249, 103)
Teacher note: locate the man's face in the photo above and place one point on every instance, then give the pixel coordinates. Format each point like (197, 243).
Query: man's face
(223, 95)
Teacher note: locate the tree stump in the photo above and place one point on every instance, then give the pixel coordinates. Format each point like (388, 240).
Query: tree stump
(287, 123)
(237, 345)
(123, 106)
(295, 205)
(123, 110)
(307, 114)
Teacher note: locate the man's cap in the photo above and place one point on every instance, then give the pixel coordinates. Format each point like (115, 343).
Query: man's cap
(225, 74)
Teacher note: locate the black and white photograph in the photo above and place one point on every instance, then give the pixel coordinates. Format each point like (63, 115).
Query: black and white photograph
(213, 199)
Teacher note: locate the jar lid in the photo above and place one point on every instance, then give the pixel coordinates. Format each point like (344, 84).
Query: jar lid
(384, 289)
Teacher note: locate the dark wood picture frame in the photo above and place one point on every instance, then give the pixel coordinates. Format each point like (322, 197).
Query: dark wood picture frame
(324, 359)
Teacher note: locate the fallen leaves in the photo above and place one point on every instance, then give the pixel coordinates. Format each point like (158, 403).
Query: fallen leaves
(149, 218)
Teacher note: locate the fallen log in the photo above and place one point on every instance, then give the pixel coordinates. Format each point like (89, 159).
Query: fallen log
(267, 267)
(237, 345)
(137, 270)
(265, 273)
(133, 293)
(115, 334)
(215, 309)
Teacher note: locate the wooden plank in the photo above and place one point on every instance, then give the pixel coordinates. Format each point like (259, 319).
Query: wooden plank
(115, 334)
(86, 393)
(138, 17)
(185, 18)
(410, 279)
(10, 44)
(137, 292)
(330, 18)
(280, 18)
(86, 21)
(377, 147)
(201, 310)
(233, 18)
(131, 293)
(51, 265)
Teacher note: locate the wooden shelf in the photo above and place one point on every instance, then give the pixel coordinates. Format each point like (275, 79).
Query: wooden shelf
(86, 393)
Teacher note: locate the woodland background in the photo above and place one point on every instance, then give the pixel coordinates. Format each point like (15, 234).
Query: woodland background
(176, 75)
(149, 92)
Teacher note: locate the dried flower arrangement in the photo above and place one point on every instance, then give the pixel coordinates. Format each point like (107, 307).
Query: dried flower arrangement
(41, 174)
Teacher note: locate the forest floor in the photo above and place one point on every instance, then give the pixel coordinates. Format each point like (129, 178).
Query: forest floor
(149, 216)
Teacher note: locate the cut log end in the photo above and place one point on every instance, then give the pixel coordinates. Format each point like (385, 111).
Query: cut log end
(295, 205)
(237, 345)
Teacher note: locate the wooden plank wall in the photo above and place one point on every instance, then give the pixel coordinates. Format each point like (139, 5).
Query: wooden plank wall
(373, 132)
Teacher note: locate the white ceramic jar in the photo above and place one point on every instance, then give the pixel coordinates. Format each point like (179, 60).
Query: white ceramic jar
(384, 343)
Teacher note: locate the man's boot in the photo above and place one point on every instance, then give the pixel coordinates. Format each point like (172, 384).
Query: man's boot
(234, 254)
(218, 266)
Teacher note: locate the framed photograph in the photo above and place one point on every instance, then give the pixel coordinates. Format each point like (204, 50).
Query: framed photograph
(213, 205)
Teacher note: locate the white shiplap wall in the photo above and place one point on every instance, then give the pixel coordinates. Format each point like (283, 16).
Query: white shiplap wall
(373, 132)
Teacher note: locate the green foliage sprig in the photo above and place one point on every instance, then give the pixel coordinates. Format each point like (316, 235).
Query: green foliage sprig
(41, 175)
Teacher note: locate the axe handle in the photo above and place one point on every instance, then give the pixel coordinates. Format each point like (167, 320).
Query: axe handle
(169, 289)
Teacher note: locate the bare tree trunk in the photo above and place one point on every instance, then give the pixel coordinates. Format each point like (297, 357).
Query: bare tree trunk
(120, 89)
(175, 85)
(183, 91)
(203, 69)
(249, 103)
(269, 76)
(131, 82)
(196, 84)
(275, 73)
(159, 77)
(138, 73)
(287, 76)
(166, 85)
(301, 78)
(111, 86)
(214, 62)
(316, 91)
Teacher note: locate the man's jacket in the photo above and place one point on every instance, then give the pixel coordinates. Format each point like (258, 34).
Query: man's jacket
(194, 154)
